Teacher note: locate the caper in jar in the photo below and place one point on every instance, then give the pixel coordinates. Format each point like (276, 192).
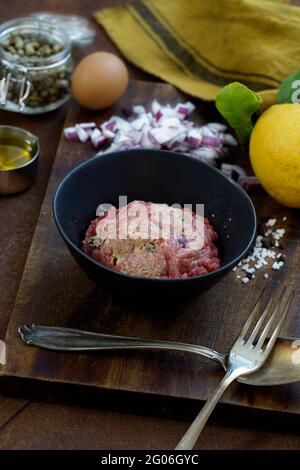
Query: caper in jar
(30, 46)
(48, 86)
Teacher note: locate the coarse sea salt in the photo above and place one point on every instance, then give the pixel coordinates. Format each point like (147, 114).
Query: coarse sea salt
(276, 266)
(271, 222)
(265, 249)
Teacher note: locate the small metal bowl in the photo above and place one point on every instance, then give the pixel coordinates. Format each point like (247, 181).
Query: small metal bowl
(22, 177)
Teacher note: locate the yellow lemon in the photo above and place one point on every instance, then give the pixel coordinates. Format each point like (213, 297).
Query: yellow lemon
(275, 152)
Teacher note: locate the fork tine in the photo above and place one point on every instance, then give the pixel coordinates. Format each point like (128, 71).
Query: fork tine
(268, 308)
(277, 329)
(250, 320)
(282, 307)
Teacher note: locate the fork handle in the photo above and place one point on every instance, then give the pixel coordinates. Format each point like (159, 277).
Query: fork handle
(189, 439)
(68, 339)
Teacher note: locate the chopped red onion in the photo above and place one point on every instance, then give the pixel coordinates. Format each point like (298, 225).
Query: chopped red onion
(188, 124)
(207, 132)
(179, 143)
(155, 107)
(182, 110)
(194, 143)
(140, 121)
(164, 135)
(250, 184)
(206, 153)
(165, 127)
(97, 138)
(107, 133)
(233, 171)
(83, 135)
(147, 140)
(194, 137)
(217, 126)
(87, 125)
(138, 109)
(158, 115)
(71, 134)
(172, 122)
(228, 139)
(121, 139)
(179, 147)
(211, 141)
(185, 109)
(110, 125)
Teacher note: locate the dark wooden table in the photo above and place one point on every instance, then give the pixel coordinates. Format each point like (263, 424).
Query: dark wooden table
(109, 425)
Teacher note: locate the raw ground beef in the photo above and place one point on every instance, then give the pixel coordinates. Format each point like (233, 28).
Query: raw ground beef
(141, 253)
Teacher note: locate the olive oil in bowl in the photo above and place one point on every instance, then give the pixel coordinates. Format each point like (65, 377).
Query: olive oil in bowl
(14, 153)
(19, 151)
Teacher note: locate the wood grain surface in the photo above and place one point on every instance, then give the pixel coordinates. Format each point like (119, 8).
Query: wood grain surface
(53, 291)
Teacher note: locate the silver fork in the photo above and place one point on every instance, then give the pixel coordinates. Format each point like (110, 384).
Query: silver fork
(247, 355)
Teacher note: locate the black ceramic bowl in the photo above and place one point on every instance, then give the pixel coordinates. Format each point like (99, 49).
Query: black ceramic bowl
(157, 176)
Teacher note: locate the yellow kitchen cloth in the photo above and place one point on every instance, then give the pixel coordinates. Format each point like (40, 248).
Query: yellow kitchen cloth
(201, 45)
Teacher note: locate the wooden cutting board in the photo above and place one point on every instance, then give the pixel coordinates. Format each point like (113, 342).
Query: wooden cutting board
(53, 291)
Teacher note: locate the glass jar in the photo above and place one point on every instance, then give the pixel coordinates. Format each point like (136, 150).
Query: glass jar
(35, 64)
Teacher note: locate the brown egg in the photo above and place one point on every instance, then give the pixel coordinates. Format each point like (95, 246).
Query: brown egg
(99, 80)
